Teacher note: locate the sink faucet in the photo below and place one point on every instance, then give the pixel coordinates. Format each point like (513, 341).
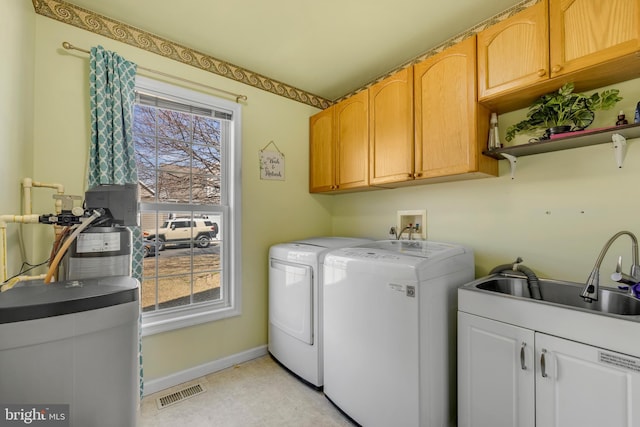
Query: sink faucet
(591, 288)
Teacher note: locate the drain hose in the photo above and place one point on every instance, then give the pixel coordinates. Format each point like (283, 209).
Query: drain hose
(532, 279)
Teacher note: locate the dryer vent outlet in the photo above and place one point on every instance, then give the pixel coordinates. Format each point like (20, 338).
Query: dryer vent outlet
(414, 219)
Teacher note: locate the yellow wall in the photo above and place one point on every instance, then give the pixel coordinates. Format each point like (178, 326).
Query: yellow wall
(17, 23)
(273, 211)
(556, 214)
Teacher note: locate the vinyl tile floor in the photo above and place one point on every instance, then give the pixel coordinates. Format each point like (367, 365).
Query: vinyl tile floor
(255, 393)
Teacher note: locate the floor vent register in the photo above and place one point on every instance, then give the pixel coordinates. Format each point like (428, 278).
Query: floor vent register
(180, 395)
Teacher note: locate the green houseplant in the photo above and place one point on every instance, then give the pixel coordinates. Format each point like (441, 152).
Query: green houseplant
(565, 109)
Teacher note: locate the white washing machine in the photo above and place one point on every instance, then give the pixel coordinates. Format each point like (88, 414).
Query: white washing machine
(390, 331)
(295, 303)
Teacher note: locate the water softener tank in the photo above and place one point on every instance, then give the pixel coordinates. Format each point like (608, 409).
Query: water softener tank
(98, 252)
(71, 347)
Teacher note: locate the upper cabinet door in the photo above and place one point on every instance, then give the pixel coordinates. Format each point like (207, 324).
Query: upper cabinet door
(352, 141)
(391, 129)
(446, 122)
(514, 53)
(589, 32)
(322, 153)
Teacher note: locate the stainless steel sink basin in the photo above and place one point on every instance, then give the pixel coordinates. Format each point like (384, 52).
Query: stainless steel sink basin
(610, 301)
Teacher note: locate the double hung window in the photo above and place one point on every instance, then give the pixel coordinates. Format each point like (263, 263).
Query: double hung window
(188, 157)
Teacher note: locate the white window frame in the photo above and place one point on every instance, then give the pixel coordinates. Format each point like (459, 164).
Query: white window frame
(179, 317)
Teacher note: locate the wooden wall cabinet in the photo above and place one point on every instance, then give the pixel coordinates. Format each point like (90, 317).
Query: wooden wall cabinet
(421, 124)
(391, 129)
(451, 128)
(592, 43)
(339, 146)
(515, 52)
(583, 33)
(322, 149)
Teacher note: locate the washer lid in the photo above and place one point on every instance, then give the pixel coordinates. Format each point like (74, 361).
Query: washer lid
(418, 248)
(34, 300)
(332, 242)
(312, 251)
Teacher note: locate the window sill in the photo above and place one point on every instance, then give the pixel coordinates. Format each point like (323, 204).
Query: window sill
(165, 321)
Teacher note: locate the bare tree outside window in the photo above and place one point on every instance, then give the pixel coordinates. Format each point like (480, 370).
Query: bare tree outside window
(178, 155)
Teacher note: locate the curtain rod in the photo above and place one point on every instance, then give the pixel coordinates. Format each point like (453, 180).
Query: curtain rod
(238, 97)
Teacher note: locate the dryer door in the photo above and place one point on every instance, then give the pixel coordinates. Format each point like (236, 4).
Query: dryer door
(291, 299)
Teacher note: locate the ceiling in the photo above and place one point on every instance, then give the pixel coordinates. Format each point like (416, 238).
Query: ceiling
(325, 47)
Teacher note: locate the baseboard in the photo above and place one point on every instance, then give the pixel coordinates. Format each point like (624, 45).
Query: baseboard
(159, 384)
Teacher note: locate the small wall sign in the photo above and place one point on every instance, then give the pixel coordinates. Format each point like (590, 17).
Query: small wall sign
(271, 163)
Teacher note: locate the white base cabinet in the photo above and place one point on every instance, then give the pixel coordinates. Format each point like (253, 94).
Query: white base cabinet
(513, 376)
(495, 373)
(583, 385)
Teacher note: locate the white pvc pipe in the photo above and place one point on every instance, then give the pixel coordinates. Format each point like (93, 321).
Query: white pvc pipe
(4, 219)
(59, 189)
(26, 217)
(27, 183)
(3, 251)
(21, 219)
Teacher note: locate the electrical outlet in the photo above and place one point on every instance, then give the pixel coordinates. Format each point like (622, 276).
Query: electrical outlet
(414, 219)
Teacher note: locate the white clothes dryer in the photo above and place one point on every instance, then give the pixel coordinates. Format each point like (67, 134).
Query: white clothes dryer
(295, 303)
(390, 331)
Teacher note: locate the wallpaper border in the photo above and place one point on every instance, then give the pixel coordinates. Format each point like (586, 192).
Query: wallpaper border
(71, 14)
(90, 21)
(452, 41)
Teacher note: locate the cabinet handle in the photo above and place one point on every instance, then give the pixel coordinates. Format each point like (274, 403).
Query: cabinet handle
(417, 175)
(556, 68)
(542, 72)
(522, 364)
(411, 175)
(543, 364)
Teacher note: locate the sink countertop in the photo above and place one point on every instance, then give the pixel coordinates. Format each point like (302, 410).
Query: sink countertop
(616, 333)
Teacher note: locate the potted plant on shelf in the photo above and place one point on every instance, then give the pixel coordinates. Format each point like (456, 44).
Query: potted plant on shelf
(563, 111)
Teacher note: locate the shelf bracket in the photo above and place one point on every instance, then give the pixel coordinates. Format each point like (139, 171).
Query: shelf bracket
(619, 148)
(512, 163)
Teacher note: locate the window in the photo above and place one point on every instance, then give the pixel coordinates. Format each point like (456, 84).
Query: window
(188, 157)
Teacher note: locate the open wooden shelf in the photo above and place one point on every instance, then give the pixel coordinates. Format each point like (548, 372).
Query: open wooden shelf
(596, 137)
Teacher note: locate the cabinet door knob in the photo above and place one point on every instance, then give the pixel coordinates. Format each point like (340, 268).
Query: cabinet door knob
(542, 72)
(522, 361)
(543, 364)
(556, 68)
(417, 175)
(411, 175)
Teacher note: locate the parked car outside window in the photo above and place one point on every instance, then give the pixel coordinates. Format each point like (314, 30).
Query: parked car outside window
(181, 231)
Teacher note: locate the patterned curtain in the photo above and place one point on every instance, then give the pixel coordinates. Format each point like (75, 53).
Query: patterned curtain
(112, 153)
